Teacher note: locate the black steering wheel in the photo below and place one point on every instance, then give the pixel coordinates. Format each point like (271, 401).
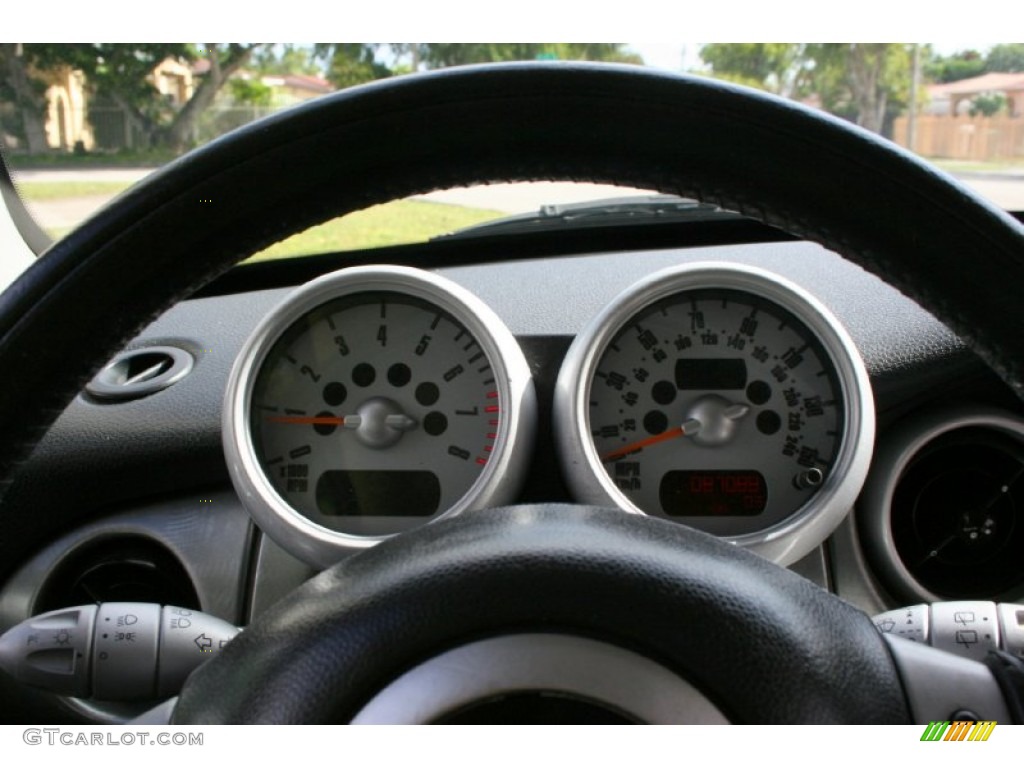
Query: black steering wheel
(760, 643)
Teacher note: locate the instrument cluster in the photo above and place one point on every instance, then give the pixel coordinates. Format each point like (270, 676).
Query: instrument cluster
(376, 399)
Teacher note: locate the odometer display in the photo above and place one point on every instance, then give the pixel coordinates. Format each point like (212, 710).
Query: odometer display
(712, 492)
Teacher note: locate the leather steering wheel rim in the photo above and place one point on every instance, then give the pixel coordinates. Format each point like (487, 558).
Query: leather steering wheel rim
(764, 645)
(750, 152)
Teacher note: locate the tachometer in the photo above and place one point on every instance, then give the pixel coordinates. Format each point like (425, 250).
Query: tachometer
(721, 396)
(373, 400)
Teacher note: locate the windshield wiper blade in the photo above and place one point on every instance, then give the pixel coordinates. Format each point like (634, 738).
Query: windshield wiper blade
(607, 212)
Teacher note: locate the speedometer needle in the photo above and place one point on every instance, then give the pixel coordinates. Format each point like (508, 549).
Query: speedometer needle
(689, 427)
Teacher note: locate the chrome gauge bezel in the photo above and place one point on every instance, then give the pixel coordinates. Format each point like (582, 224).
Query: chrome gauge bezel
(805, 529)
(498, 482)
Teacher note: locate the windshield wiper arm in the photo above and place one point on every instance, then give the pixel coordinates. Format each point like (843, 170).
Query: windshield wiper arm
(607, 212)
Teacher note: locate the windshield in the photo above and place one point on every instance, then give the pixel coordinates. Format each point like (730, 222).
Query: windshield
(81, 122)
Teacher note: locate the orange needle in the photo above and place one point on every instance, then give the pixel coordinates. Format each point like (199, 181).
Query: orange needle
(335, 420)
(647, 441)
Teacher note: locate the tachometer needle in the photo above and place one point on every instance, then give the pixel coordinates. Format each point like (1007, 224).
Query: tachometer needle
(689, 427)
(398, 421)
(338, 421)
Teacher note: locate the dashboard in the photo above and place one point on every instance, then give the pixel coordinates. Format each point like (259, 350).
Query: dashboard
(150, 476)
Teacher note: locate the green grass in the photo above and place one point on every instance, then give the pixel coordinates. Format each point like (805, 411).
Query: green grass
(395, 223)
(35, 191)
(125, 158)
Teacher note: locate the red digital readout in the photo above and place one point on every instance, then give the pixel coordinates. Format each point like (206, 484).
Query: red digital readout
(744, 483)
(713, 493)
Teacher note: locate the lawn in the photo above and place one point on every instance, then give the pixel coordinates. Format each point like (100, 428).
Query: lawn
(39, 191)
(395, 223)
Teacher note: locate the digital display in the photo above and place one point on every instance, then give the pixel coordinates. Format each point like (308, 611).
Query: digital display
(711, 373)
(378, 493)
(713, 493)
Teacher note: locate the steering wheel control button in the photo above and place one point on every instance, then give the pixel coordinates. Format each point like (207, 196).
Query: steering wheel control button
(51, 651)
(909, 623)
(722, 396)
(432, 409)
(113, 651)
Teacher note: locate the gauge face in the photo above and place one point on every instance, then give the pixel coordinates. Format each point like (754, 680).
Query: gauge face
(375, 407)
(376, 400)
(723, 397)
(715, 403)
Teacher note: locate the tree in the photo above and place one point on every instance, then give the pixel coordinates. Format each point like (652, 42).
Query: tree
(285, 59)
(252, 92)
(437, 55)
(353, 63)
(776, 67)
(1008, 57)
(121, 73)
(987, 104)
(957, 66)
(864, 82)
(224, 60)
(118, 70)
(24, 116)
(349, 64)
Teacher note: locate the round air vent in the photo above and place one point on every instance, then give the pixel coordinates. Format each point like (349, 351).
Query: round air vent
(140, 372)
(118, 569)
(943, 509)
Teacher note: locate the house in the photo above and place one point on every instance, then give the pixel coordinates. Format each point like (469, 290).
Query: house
(65, 121)
(955, 98)
(70, 121)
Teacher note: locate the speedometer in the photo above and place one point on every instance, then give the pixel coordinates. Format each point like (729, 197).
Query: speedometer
(371, 401)
(724, 397)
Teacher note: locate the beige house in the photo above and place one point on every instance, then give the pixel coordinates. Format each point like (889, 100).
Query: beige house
(65, 121)
(173, 79)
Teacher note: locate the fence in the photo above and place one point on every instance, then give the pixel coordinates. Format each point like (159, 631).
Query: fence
(111, 128)
(114, 128)
(964, 138)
